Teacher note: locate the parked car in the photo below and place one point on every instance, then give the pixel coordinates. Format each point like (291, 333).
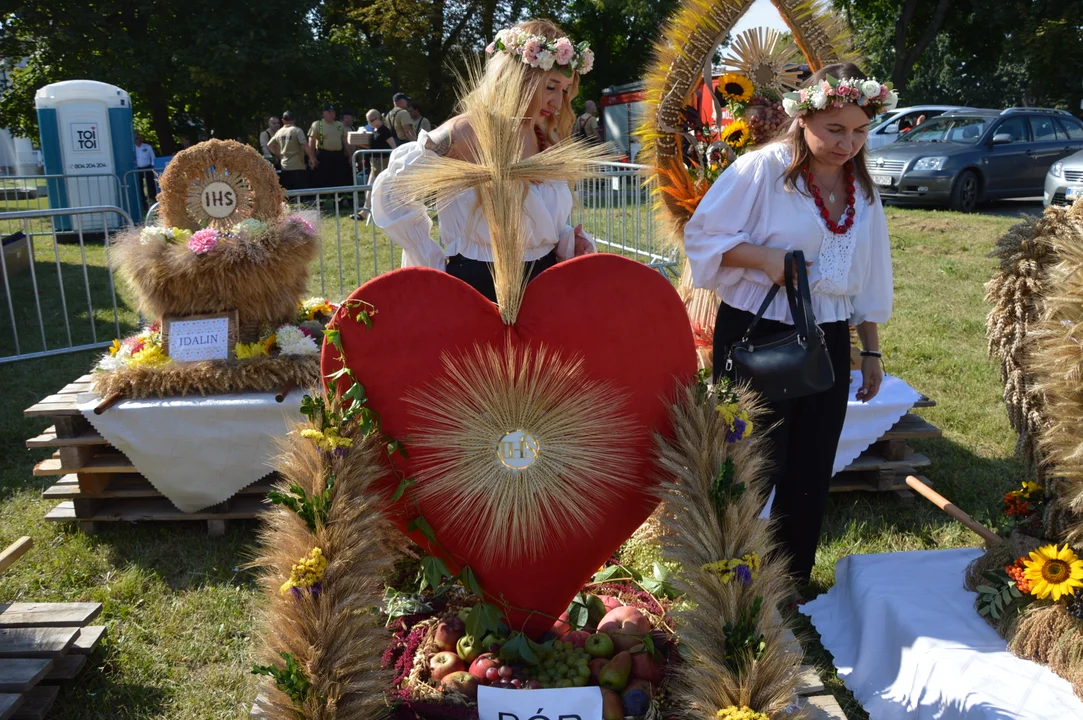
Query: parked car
(885, 127)
(966, 156)
(1064, 181)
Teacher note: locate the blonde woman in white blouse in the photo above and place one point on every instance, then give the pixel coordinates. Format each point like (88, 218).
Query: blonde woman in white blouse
(556, 64)
(808, 191)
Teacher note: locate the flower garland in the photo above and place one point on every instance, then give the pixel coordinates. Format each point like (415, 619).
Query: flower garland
(538, 51)
(832, 92)
(206, 240)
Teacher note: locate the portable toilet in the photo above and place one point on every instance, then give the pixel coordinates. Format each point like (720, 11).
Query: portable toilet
(88, 137)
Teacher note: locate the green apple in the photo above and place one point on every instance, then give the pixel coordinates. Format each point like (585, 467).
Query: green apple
(599, 645)
(467, 649)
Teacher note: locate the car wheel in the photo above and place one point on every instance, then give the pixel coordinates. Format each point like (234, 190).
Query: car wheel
(964, 194)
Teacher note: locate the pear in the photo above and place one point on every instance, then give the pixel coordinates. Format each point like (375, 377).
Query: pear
(614, 676)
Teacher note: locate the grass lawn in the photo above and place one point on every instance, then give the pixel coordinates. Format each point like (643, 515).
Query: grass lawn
(180, 612)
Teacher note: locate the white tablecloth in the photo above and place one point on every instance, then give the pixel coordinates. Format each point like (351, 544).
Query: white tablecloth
(866, 422)
(908, 642)
(197, 451)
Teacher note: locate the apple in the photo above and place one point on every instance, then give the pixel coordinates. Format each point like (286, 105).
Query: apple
(444, 663)
(448, 633)
(596, 666)
(599, 645)
(577, 638)
(467, 648)
(611, 603)
(612, 707)
(480, 667)
(645, 667)
(563, 625)
(461, 682)
(626, 625)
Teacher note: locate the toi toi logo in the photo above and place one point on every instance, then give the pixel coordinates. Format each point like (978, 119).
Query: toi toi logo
(84, 137)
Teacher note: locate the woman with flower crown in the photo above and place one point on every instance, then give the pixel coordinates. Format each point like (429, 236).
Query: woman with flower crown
(808, 191)
(555, 64)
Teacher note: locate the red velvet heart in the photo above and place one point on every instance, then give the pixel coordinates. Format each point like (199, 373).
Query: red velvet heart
(623, 318)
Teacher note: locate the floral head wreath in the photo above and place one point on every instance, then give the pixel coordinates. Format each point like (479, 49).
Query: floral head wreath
(539, 51)
(832, 92)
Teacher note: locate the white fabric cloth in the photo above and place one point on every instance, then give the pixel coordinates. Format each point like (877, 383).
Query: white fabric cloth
(464, 230)
(197, 451)
(866, 422)
(850, 278)
(909, 643)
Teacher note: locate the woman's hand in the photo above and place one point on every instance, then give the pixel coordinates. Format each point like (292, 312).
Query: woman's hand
(773, 264)
(872, 376)
(583, 246)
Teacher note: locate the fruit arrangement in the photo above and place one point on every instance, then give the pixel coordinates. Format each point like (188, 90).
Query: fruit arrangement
(621, 648)
(766, 119)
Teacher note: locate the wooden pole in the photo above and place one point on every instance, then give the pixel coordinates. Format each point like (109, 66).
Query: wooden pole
(941, 502)
(281, 396)
(111, 400)
(14, 551)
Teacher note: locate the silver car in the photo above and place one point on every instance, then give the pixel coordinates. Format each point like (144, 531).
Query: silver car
(1064, 181)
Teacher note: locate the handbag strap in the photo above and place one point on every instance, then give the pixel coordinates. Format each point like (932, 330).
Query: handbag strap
(800, 297)
(759, 313)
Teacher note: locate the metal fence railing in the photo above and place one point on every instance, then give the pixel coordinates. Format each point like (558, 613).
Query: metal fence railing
(73, 244)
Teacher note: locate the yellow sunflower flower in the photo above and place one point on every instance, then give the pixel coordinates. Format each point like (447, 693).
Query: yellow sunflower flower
(736, 88)
(151, 356)
(1053, 572)
(736, 134)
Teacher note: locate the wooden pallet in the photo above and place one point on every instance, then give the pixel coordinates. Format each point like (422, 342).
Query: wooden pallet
(883, 467)
(97, 483)
(41, 645)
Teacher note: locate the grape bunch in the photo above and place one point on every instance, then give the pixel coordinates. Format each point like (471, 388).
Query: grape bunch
(563, 666)
(767, 121)
(507, 677)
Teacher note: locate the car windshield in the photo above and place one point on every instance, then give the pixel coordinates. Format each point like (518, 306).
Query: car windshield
(966, 130)
(882, 118)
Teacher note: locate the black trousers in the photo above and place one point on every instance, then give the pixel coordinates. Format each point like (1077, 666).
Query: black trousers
(803, 441)
(147, 189)
(479, 275)
(293, 179)
(332, 169)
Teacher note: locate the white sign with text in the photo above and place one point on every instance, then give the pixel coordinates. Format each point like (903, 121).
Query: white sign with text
(582, 703)
(204, 339)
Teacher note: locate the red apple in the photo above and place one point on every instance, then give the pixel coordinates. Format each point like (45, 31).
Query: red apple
(626, 625)
(645, 667)
(611, 603)
(461, 682)
(578, 638)
(612, 707)
(481, 666)
(448, 633)
(596, 666)
(444, 663)
(563, 625)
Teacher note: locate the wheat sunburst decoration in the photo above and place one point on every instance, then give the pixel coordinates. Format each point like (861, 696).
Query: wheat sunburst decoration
(761, 55)
(520, 444)
(220, 199)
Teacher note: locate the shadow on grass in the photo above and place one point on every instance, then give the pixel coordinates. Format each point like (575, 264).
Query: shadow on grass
(94, 695)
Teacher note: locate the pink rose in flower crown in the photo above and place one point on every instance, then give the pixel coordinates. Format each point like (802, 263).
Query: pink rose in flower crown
(586, 61)
(203, 241)
(565, 51)
(490, 48)
(531, 50)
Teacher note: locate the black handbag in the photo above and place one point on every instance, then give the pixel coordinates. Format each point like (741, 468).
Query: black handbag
(790, 364)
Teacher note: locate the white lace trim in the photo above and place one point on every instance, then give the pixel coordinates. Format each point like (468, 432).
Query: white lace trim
(836, 252)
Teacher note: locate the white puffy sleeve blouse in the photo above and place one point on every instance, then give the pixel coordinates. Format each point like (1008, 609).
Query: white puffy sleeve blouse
(464, 229)
(851, 277)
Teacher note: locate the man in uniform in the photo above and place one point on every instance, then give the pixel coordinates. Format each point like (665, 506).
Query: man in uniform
(586, 125)
(288, 145)
(398, 119)
(327, 151)
(419, 121)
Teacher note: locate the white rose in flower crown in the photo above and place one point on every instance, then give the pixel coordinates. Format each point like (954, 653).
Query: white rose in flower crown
(546, 60)
(586, 61)
(870, 88)
(818, 100)
(892, 100)
(789, 105)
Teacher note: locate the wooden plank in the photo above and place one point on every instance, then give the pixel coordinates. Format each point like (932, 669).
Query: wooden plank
(65, 668)
(911, 427)
(36, 642)
(157, 509)
(71, 426)
(76, 387)
(49, 438)
(103, 462)
(17, 675)
(48, 614)
(37, 702)
(871, 462)
(14, 551)
(823, 707)
(88, 639)
(57, 405)
(127, 487)
(808, 681)
(9, 704)
(74, 458)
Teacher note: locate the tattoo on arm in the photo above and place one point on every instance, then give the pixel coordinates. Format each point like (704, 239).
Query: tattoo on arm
(439, 141)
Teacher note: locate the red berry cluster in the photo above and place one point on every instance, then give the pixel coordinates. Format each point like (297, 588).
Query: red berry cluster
(1015, 572)
(848, 214)
(1016, 506)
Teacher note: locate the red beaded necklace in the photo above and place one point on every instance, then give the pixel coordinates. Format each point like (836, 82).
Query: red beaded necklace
(848, 214)
(542, 145)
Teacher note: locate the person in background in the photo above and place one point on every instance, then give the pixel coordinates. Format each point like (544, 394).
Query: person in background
(398, 119)
(144, 164)
(288, 146)
(327, 151)
(274, 124)
(905, 126)
(383, 141)
(586, 125)
(420, 122)
(347, 128)
(921, 118)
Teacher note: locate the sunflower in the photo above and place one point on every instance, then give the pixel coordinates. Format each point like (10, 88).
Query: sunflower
(1053, 571)
(736, 134)
(735, 88)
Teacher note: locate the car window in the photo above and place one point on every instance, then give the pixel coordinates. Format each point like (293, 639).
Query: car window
(1016, 127)
(966, 130)
(1071, 129)
(1044, 129)
(882, 118)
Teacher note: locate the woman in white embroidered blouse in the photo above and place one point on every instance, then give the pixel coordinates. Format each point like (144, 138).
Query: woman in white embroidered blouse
(808, 191)
(464, 230)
